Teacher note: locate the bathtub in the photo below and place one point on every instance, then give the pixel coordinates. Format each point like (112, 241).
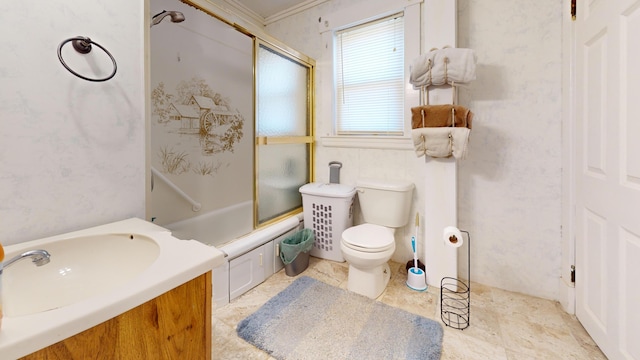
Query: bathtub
(218, 227)
(249, 259)
(71, 256)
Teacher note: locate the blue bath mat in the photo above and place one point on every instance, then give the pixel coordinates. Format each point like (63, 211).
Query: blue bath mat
(313, 320)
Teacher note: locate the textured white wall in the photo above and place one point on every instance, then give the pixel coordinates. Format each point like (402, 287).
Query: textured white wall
(509, 186)
(72, 152)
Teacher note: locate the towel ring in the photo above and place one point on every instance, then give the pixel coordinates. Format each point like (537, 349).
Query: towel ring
(82, 45)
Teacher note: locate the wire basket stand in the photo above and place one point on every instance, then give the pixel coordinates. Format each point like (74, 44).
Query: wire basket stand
(455, 296)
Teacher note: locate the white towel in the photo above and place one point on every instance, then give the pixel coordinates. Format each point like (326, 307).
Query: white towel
(441, 141)
(429, 69)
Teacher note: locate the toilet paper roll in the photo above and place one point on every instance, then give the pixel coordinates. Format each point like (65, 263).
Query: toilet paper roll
(452, 236)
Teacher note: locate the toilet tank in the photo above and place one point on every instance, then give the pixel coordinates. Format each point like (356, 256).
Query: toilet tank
(385, 202)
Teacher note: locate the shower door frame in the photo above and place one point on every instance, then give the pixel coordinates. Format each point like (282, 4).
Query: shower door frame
(308, 139)
(275, 45)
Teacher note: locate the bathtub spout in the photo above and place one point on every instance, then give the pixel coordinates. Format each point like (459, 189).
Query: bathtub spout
(38, 257)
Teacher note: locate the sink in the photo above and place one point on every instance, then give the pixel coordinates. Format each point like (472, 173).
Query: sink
(95, 275)
(80, 268)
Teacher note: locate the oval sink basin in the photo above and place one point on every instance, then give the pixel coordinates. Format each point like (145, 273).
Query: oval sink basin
(80, 268)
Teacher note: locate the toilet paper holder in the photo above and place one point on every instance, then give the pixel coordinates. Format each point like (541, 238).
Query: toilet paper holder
(455, 296)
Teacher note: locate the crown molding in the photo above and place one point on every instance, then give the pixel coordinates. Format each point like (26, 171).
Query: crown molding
(258, 19)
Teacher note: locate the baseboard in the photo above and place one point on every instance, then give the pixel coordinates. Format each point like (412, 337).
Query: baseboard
(567, 296)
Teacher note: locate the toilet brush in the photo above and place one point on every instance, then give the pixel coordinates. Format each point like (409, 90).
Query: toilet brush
(416, 278)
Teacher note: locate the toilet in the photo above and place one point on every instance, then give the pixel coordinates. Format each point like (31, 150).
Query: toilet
(385, 206)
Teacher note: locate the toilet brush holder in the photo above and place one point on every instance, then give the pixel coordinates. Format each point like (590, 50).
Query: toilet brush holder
(416, 279)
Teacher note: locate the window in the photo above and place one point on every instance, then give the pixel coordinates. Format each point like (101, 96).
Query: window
(369, 78)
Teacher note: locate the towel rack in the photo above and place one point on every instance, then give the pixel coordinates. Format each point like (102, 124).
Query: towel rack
(424, 94)
(82, 44)
(424, 98)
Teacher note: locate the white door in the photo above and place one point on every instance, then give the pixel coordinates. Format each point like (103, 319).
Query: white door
(607, 173)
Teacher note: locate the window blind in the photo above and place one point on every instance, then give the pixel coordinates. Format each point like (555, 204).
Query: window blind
(370, 78)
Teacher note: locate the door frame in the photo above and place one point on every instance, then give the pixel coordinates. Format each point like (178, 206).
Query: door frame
(567, 293)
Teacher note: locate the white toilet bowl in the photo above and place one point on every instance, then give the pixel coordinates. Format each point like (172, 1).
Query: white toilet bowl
(367, 248)
(385, 206)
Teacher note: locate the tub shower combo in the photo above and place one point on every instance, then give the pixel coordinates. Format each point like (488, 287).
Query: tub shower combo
(230, 140)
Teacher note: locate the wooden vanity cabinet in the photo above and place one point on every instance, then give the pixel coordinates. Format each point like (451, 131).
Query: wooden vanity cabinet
(174, 325)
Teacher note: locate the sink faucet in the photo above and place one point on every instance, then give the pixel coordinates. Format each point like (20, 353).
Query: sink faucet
(38, 257)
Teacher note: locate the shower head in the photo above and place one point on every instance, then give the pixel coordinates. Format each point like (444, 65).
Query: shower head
(176, 17)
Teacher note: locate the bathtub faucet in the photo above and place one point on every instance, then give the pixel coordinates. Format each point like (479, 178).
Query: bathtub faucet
(38, 257)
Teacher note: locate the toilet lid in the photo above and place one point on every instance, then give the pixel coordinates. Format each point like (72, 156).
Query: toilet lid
(368, 237)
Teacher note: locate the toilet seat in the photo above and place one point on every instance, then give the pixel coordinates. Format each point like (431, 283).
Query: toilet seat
(368, 238)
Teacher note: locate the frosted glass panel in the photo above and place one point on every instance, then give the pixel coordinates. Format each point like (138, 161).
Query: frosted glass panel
(283, 169)
(201, 127)
(283, 114)
(283, 95)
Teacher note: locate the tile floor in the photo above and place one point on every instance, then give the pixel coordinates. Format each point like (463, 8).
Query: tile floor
(503, 324)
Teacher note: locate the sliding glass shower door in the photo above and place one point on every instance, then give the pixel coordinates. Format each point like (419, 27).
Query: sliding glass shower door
(284, 130)
(202, 126)
(230, 140)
